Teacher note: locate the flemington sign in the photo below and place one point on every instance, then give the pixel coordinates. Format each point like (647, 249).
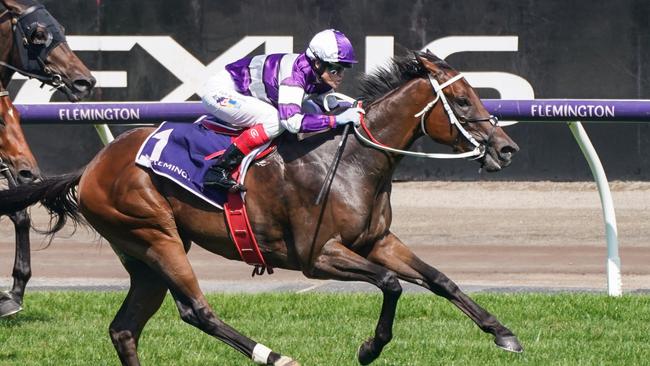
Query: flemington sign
(560, 110)
(566, 110)
(95, 113)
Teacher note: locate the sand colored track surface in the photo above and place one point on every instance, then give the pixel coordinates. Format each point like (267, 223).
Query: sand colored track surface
(481, 234)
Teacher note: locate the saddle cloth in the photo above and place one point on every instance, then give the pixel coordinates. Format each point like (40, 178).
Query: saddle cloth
(177, 151)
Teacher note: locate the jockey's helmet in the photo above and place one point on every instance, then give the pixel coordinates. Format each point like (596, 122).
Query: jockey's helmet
(333, 47)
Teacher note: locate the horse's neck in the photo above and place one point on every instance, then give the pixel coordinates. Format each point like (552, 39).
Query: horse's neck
(391, 122)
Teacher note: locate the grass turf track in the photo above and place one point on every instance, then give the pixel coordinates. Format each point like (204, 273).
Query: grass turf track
(71, 328)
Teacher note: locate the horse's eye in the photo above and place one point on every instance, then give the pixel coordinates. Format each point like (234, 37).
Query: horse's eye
(463, 102)
(40, 37)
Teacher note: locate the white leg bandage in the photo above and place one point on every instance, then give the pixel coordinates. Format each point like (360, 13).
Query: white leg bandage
(261, 354)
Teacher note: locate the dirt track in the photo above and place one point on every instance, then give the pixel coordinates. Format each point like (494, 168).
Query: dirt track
(479, 233)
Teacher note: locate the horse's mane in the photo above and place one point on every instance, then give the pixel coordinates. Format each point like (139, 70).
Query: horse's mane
(396, 73)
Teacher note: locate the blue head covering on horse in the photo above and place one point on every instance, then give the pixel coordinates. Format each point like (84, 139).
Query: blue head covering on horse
(36, 34)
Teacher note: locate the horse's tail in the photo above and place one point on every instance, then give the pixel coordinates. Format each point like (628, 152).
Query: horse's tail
(57, 194)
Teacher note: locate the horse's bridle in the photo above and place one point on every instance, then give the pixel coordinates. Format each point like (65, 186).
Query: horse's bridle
(32, 55)
(479, 149)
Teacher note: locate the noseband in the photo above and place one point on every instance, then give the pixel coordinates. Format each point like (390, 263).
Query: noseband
(32, 55)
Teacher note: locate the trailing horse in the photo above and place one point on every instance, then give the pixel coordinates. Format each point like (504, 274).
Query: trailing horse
(31, 43)
(150, 222)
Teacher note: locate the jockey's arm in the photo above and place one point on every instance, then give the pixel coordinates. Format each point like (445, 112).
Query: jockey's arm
(290, 98)
(320, 104)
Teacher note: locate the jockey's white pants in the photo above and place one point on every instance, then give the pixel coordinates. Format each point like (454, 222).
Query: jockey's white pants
(221, 98)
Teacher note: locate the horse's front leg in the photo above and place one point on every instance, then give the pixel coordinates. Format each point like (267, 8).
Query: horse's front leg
(340, 263)
(11, 301)
(396, 256)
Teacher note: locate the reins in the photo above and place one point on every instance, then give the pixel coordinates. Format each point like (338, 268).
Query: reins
(55, 79)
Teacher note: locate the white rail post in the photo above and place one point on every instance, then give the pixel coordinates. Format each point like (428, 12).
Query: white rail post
(614, 283)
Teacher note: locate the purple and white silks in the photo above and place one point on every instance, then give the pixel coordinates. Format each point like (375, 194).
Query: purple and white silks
(282, 80)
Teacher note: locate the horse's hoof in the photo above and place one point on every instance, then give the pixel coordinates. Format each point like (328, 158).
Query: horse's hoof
(365, 354)
(509, 343)
(286, 361)
(8, 306)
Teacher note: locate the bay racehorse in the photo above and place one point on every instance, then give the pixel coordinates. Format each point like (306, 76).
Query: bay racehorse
(150, 222)
(32, 43)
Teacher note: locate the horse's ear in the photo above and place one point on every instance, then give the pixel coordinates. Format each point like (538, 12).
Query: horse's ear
(432, 55)
(12, 5)
(419, 59)
(424, 62)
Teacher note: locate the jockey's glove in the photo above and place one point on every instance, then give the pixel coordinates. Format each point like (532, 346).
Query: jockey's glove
(350, 115)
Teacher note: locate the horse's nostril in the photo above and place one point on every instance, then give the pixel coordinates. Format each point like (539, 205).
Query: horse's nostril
(508, 150)
(83, 85)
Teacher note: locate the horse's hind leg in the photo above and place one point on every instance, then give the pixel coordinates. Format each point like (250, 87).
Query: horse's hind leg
(166, 256)
(195, 310)
(11, 301)
(340, 263)
(396, 256)
(146, 294)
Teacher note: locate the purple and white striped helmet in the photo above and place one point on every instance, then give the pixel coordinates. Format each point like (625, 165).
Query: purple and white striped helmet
(331, 46)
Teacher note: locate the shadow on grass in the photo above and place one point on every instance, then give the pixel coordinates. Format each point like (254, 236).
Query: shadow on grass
(21, 319)
(10, 357)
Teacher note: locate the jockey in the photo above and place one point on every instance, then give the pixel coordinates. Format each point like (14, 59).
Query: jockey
(265, 93)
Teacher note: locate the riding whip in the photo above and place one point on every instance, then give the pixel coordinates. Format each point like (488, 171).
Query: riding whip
(335, 163)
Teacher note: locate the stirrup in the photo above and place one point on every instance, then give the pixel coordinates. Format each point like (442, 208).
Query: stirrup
(228, 185)
(237, 188)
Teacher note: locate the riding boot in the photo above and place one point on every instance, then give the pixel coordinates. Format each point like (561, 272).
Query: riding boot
(219, 174)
